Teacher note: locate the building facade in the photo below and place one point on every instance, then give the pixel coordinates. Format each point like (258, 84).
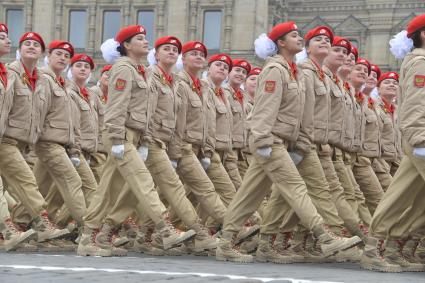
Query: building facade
(224, 25)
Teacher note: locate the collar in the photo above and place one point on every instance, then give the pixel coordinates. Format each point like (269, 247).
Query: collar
(3, 75)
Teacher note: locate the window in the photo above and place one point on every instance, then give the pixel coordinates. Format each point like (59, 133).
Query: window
(147, 19)
(111, 24)
(15, 23)
(78, 28)
(212, 29)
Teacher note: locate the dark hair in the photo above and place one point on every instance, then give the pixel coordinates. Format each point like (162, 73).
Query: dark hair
(416, 37)
(121, 49)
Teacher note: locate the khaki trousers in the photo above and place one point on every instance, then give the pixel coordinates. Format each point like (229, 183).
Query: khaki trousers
(403, 202)
(382, 171)
(262, 173)
(116, 173)
(231, 165)
(4, 209)
(97, 162)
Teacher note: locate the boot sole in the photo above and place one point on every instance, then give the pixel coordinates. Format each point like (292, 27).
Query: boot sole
(222, 258)
(102, 254)
(27, 237)
(347, 246)
(239, 241)
(395, 269)
(55, 236)
(121, 243)
(187, 236)
(276, 261)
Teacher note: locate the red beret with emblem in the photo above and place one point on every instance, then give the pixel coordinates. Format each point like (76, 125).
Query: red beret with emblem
(376, 69)
(3, 28)
(415, 24)
(355, 51)
(82, 58)
(243, 64)
(281, 29)
(362, 61)
(194, 45)
(388, 76)
(254, 71)
(168, 40)
(223, 58)
(320, 30)
(128, 32)
(105, 68)
(342, 42)
(59, 44)
(33, 36)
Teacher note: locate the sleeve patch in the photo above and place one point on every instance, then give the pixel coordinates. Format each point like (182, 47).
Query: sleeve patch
(270, 86)
(120, 84)
(419, 81)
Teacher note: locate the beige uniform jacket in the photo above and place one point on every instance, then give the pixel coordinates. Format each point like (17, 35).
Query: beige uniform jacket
(89, 124)
(60, 118)
(192, 119)
(387, 132)
(23, 106)
(99, 107)
(411, 102)
(358, 110)
(239, 118)
(278, 107)
(223, 117)
(163, 122)
(129, 102)
(371, 137)
(349, 123)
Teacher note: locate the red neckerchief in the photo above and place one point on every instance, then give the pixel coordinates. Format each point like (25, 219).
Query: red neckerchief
(387, 107)
(196, 85)
(347, 87)
(3, 75)
(84, 93)
(238, 95)
(141, 71)
(294, 70)
(29, 79)
(220, 93)
(319, 71)
(370, 103)
(336, 79)
(359, 97)
(167, 78)
(60, 81)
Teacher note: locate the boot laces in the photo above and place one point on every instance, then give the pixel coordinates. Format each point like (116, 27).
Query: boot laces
(12, 226)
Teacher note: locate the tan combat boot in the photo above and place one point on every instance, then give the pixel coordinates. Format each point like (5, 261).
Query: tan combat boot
(331, 244)
(372, 258)
(226, 252)
(46, 230)
(104, 240)
(172, 237)
(87, 245)
(202, 240)
(143, 243)
(13, 236)
(393, 254)
(410, 251)
(249, 246)
(247, 232)
(420, 250)
(297, 246)
(267, 253)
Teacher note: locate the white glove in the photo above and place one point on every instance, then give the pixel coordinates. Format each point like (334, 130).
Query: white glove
(118, 151)
(75, 161)
(205, 162)
(419, 152)
(174, 164)
(265, 152)
(143, 152)
(296, 158)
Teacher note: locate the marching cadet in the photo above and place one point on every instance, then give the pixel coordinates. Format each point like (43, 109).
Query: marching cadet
(402, 204)
(276, 120)
(370, 136)
(190, 151)
(236, 96)
(127, 117)
(22, 100)
(161, 128)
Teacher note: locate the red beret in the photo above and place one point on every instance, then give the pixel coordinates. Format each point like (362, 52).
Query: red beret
(128, 32)
(387, 76)
(3, 28)
(194, 45)
(376, 69)
(33, 36)
(355, 51)
(168, 40)
(254, 71)
(243, 64)
(342, 42)
(415, 24)
(282, 29)
(365, 62)
(223, 58)
(82, 58)
(105, 68)
(320, 30)
(59, 44)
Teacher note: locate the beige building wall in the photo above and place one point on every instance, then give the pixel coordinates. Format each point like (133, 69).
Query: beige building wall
(369, 23)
